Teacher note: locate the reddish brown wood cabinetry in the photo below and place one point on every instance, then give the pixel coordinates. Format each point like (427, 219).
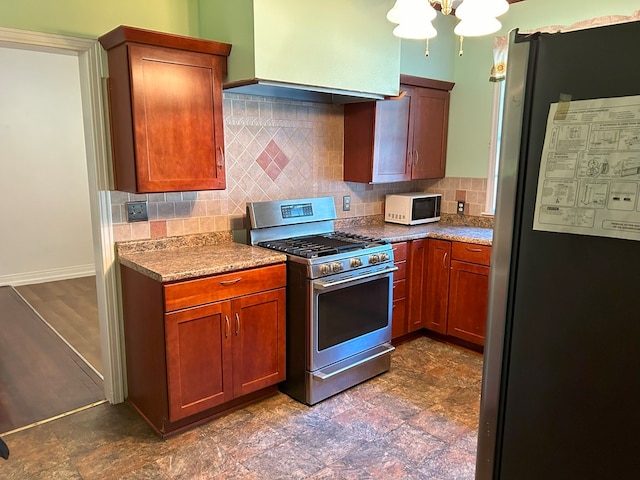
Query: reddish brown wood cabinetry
(399, 325)
(437, 285)
(417, 276)
(398, 139)
(165, 99)
(468, 292)
(189, 360)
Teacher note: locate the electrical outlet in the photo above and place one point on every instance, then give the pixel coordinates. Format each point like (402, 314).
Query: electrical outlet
(136, 211)
(346, 203)
(460, 207)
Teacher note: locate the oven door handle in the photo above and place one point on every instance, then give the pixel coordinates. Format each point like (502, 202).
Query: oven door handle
(386, 348)
(320, 285)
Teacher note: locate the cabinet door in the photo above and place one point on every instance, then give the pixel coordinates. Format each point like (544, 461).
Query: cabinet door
(375, 141)
(177, 119)
(417, 274)
(428, 134)
(437, 285)
(258, 330)
(468, 301)
(198, 343)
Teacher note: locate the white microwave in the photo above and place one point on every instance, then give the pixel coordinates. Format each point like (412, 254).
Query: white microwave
(412, 208)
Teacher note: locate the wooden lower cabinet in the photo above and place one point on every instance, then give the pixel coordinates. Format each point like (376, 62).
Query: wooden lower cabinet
(417, 276)
(194, 362)
(448, 284)
(399, 325)
(468, 292)
(437, 285)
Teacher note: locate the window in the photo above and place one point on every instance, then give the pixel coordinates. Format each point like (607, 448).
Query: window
(494, 146)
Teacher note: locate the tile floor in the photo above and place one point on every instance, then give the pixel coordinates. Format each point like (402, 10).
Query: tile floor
(418, 421)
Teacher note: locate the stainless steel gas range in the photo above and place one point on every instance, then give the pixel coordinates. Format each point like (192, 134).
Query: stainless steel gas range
(339, 296)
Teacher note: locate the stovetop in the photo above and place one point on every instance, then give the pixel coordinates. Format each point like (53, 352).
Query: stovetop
(304, 230)
(313, 246)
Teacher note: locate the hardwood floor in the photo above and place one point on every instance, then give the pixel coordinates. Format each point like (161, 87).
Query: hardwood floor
(71, 308)
(41, 377)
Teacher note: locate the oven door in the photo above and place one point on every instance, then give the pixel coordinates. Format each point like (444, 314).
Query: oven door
(350, 313)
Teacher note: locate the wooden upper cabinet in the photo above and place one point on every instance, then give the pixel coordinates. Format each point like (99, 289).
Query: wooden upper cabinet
(375, 141)
(398, 139)
(428, 129)
(165, 99)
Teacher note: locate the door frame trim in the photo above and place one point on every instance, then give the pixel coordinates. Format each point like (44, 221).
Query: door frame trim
(92, 67)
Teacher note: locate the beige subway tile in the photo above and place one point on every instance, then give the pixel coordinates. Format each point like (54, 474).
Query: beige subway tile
(479, 184)
(175, 227)
(475, 210)
(122, 232)
(140, 231)
(448, 207)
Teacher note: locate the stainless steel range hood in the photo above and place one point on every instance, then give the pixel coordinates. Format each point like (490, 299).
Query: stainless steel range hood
(331, 51)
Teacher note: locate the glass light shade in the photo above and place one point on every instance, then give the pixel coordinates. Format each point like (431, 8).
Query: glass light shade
(408, 10)
(415, 30)
(482, 8)
(477, 26)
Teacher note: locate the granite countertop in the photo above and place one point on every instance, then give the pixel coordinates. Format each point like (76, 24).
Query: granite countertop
(193, 256)
(402, 233)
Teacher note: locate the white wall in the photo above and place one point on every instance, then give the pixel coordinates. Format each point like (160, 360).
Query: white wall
(44, 197)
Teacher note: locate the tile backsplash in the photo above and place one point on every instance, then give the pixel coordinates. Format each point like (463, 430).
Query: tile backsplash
(277, 149)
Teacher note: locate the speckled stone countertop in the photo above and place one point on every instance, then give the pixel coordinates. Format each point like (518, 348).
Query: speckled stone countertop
(377, 228)
(193, 256)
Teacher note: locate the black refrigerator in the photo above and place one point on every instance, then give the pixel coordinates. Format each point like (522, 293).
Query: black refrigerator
(561, 380)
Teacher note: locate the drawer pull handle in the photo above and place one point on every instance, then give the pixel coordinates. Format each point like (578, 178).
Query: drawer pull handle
(226, 283)
(227, 329)
(474, 250)
(444, 260)
(237, 324)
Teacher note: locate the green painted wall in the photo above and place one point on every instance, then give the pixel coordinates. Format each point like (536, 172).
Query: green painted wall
(231, 22)
(472, 97)
(93, 18)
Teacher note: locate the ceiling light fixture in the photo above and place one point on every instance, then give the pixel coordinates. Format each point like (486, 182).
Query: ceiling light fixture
(477, 18)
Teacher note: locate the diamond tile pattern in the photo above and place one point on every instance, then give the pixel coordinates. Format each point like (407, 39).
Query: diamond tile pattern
(277, 149)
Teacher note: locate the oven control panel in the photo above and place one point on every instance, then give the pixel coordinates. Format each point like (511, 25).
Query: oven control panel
(321, 267)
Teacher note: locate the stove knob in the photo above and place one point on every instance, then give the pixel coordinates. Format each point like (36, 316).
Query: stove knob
(373, 259)
(325, 268)
(384, 257)
(356, 262)
(336, 266)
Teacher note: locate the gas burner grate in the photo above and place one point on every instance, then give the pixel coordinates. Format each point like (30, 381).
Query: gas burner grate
(320, 245)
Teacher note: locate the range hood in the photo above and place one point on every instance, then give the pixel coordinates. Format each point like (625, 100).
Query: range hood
(331, 51)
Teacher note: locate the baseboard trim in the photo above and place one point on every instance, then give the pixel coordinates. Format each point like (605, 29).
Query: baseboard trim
(50, 275)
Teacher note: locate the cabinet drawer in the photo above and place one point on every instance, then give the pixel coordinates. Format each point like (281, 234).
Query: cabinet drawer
(399, 288)
(399, 251)
(220, 287)
(401, 272)
(468, 252)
